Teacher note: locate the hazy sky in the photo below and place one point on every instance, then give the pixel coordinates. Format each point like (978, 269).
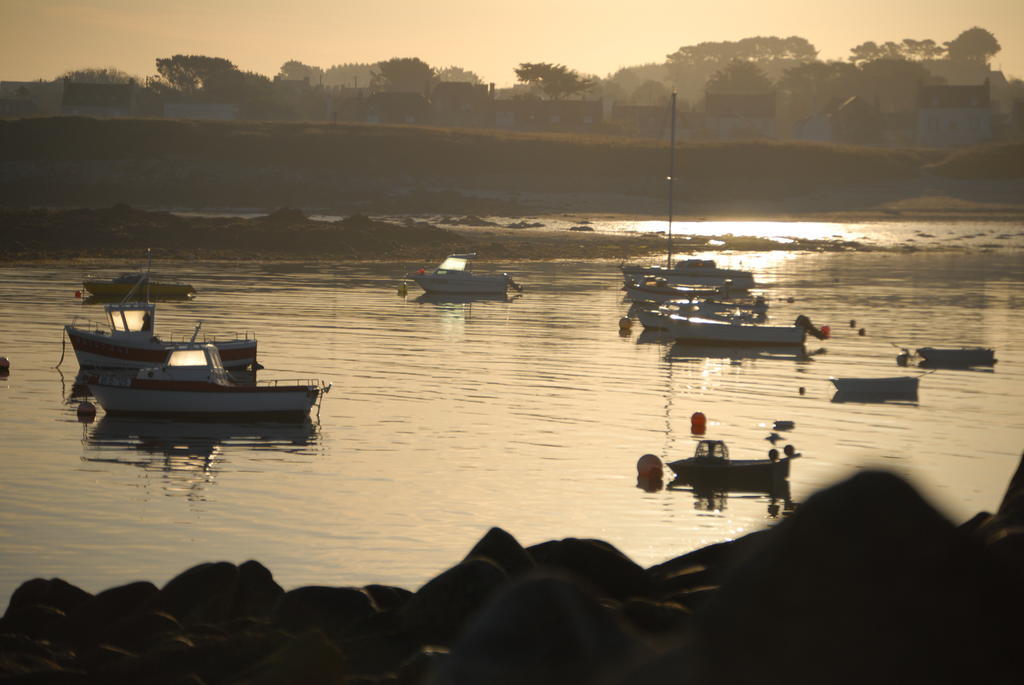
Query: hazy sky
(44, 38)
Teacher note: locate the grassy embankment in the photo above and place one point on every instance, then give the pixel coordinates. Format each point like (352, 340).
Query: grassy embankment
(73, 161)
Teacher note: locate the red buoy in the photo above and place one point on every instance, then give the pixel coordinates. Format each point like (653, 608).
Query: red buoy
(78, 293)
(5, 364)
(649, 466)
(698, 423)
(826, 332)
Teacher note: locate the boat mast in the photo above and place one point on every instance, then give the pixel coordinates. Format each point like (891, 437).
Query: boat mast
(671, 174)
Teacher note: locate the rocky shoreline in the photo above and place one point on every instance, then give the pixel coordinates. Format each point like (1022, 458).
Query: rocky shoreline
(865, 582)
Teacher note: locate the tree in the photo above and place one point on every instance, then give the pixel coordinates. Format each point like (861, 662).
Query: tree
(650, 92)
(351, 75)
(457, 74)
(893, 83)
(739, 76)
(294, 70)
(973, 45)
(404, 75)
(922, 50)
(189, 73)
(555, 80)
(107, 75)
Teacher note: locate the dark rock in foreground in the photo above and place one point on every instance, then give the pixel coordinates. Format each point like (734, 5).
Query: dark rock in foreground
(866, 582)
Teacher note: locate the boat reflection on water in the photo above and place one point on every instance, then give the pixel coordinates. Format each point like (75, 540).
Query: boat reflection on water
(684, 352)
(714, 496)
(466, 298)
(186, 452)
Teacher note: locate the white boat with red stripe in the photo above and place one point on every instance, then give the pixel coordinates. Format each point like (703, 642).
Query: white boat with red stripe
(193, 382)
(128, 340)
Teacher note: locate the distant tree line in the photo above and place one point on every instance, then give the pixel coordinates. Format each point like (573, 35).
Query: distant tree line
(888, 73)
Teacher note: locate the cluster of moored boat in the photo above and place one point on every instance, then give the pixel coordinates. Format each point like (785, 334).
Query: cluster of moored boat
(696, 303)
(130, 369)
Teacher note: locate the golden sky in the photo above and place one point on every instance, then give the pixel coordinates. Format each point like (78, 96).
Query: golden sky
(44, 38)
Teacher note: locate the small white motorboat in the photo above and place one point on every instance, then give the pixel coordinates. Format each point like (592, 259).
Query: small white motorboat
(452, 276)
(710, 465)
(193, 382)
(129, 340)
(895, 386)
(956, 356)
(702, 272)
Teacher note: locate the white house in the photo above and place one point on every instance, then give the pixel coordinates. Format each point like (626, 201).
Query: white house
(950, 116)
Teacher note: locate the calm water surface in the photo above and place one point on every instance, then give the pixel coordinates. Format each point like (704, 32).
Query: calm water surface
(447, 418)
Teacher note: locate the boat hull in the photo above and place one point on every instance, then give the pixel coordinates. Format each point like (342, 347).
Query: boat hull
(100, 350)
(738, 280)
(753, 475)
(707, 332)
(456, 285)
(957, 356)
(896, 386)
(202, 399)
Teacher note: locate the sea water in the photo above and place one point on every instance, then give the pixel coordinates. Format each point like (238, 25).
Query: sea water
(529, 413)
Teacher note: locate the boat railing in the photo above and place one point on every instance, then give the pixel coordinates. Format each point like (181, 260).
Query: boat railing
(89, 325)
(219, 337)
(291, 382)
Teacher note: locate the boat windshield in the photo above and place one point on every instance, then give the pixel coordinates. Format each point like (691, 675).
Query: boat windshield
(190, 357)
(131, 320)
(454, 263)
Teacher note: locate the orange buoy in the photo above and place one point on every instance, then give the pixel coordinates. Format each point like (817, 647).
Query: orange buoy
(86, 412)
(698, 423)
(649, 467)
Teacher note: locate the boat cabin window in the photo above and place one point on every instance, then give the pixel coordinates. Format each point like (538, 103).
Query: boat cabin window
(453, 264)
(131, 320)
(195, 357)
(714, 449)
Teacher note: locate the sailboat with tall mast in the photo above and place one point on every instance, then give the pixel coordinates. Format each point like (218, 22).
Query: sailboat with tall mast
(693, 272)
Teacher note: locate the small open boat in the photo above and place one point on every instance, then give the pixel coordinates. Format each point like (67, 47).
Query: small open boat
(658, 290)
(895, 386)
(129, 340)
(956, 356)
(453, 276)
(139, 282)
(193, 382)
(700, 272)
(711, 466)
